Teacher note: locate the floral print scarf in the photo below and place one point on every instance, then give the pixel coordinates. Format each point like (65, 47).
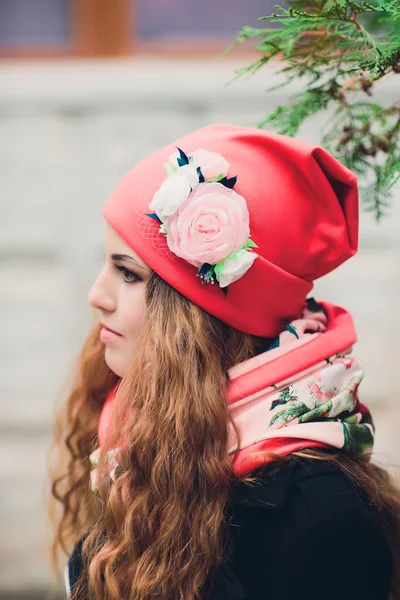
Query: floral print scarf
(315, 404)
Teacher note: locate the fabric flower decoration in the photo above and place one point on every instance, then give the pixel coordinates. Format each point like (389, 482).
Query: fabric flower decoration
(210, 225)
(212, 165)
(204, 220)
(112, 465)
(232, 268)
(173, 192)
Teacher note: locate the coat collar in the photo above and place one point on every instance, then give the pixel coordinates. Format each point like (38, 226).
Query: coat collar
(275, 479)
(268, 491)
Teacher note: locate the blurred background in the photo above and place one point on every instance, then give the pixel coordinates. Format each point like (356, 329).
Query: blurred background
(88, 88)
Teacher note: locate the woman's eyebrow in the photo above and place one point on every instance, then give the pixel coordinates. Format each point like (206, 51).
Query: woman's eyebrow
(127, 258)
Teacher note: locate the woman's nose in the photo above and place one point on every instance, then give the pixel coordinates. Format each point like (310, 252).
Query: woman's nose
(100, 296)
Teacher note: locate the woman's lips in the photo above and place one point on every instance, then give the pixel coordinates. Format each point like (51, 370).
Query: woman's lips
(108, 335)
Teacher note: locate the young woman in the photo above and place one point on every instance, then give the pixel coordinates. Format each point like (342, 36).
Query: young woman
(216, 447)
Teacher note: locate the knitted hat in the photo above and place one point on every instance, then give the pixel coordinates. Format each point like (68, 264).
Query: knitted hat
(258, 214)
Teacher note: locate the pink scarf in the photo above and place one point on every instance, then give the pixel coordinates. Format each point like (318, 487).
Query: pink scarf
(300, 393)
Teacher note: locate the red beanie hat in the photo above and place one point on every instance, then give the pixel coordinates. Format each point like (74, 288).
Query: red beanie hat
(302, 215)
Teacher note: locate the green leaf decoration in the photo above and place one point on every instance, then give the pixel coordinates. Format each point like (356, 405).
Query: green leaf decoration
(170, 169)
(211, 274)
(163, 229)
(215, 179)
(218, 268)
(249, 244)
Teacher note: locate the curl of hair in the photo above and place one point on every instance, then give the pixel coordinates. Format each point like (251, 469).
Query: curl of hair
(71, 505)
(159, 531)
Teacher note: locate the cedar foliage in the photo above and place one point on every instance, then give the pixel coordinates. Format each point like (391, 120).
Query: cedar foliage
(338, 48)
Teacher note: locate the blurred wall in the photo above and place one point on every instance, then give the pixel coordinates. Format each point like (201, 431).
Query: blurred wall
(87, 28)
(68, 132)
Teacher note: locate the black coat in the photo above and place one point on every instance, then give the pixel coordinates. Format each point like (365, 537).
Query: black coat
(304, 532)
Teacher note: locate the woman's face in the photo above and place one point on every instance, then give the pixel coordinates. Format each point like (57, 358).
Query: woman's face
(119, 294)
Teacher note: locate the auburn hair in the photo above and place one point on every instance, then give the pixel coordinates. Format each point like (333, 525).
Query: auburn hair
(159, 530)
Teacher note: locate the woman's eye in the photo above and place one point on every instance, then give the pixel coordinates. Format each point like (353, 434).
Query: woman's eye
(129, 276)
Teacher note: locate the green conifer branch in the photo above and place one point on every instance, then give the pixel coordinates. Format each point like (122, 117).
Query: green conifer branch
(327, 43)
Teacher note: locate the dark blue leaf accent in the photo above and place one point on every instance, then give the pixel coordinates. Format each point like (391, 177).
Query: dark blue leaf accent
(229, 183)
(183, 159)
(313, 305)
(207, 275)
(154, 216)
(274, 344)
(204, 269)
(200, 174)
(292, 330)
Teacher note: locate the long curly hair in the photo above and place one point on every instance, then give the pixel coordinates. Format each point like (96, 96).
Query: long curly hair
(159, 531)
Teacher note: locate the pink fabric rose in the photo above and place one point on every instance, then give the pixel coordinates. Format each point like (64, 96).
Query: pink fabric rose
(210, 225)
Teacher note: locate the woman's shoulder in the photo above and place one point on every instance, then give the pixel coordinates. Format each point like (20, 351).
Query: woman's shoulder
(299, 495)
(315, 486)
(300, 519)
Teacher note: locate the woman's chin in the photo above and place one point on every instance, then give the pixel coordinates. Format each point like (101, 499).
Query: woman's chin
(116, 366)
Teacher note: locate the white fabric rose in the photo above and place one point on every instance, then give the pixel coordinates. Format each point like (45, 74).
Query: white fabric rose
(234, 268)
(211, 164)
(190, 173)
(173, 159)
(172, 193)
